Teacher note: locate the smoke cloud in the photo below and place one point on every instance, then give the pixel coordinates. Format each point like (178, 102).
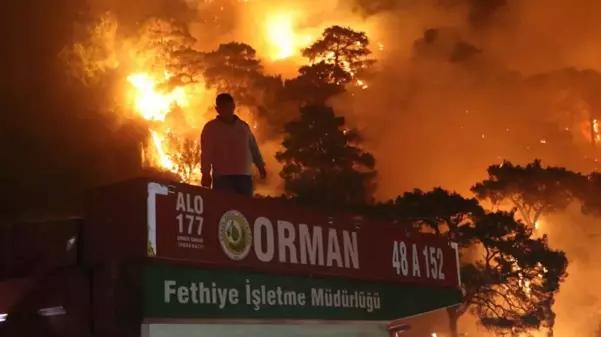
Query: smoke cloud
(458, 85)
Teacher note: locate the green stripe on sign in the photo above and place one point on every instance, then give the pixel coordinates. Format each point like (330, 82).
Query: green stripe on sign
(181, 292)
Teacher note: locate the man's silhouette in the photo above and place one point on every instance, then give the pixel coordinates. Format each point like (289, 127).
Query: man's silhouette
(228, 150)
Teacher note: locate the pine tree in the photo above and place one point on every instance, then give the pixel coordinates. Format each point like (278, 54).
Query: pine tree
(323, 164)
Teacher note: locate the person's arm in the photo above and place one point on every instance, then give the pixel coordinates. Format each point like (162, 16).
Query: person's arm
(206, 157)
(256, 154)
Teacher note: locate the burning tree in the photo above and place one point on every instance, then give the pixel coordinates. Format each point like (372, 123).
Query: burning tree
(511, 288)
(169, 81)
(338, 58)
(322, 163)
(185, 157)
(509, 277)
(533, 190)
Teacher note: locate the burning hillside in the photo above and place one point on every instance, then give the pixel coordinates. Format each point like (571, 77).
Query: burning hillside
(159, 64)
(100, 90)
(168, 81)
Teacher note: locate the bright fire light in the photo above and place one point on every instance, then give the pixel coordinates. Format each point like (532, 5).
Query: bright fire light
(596, 131)
(152, 104)
(361, 84)
(283, 39)
(163, 158)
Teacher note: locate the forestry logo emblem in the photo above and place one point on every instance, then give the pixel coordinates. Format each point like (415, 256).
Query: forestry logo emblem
(235, 235)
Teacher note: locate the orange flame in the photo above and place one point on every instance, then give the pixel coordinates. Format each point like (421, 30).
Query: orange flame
(163, 158)
(282, 37)
(596, 132)
(149, 102)
(154, 105)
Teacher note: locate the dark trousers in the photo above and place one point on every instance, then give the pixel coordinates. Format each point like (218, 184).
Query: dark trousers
(240, 184)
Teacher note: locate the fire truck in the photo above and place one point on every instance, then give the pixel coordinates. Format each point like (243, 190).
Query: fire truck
(156, 258)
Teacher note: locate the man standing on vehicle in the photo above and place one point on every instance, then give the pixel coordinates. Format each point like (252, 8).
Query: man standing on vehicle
(228, 150)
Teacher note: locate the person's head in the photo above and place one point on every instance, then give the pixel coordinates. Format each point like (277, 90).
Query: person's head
(225, 105)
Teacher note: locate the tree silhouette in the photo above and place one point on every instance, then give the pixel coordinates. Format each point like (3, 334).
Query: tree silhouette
(509, 278)
(315, 84)
(186, 66)
(589, 194)
(343, 48)
(338, 58)
(234, 68)
(511, 287)
(436, 208)
(533, 190)
(322, 164)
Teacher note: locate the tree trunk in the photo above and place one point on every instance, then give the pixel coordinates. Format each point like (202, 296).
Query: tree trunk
(453, 313)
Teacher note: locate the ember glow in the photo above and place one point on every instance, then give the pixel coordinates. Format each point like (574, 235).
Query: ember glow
(361, 84)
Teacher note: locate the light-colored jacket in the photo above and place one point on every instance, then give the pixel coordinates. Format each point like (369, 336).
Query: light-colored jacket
(228, 148)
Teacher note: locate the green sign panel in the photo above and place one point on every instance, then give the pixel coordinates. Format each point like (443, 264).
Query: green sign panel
(182, 292)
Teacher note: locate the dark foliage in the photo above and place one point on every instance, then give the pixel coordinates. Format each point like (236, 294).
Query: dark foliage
(509, 276)
(532, 189)
(345, 50)
(322, 163)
